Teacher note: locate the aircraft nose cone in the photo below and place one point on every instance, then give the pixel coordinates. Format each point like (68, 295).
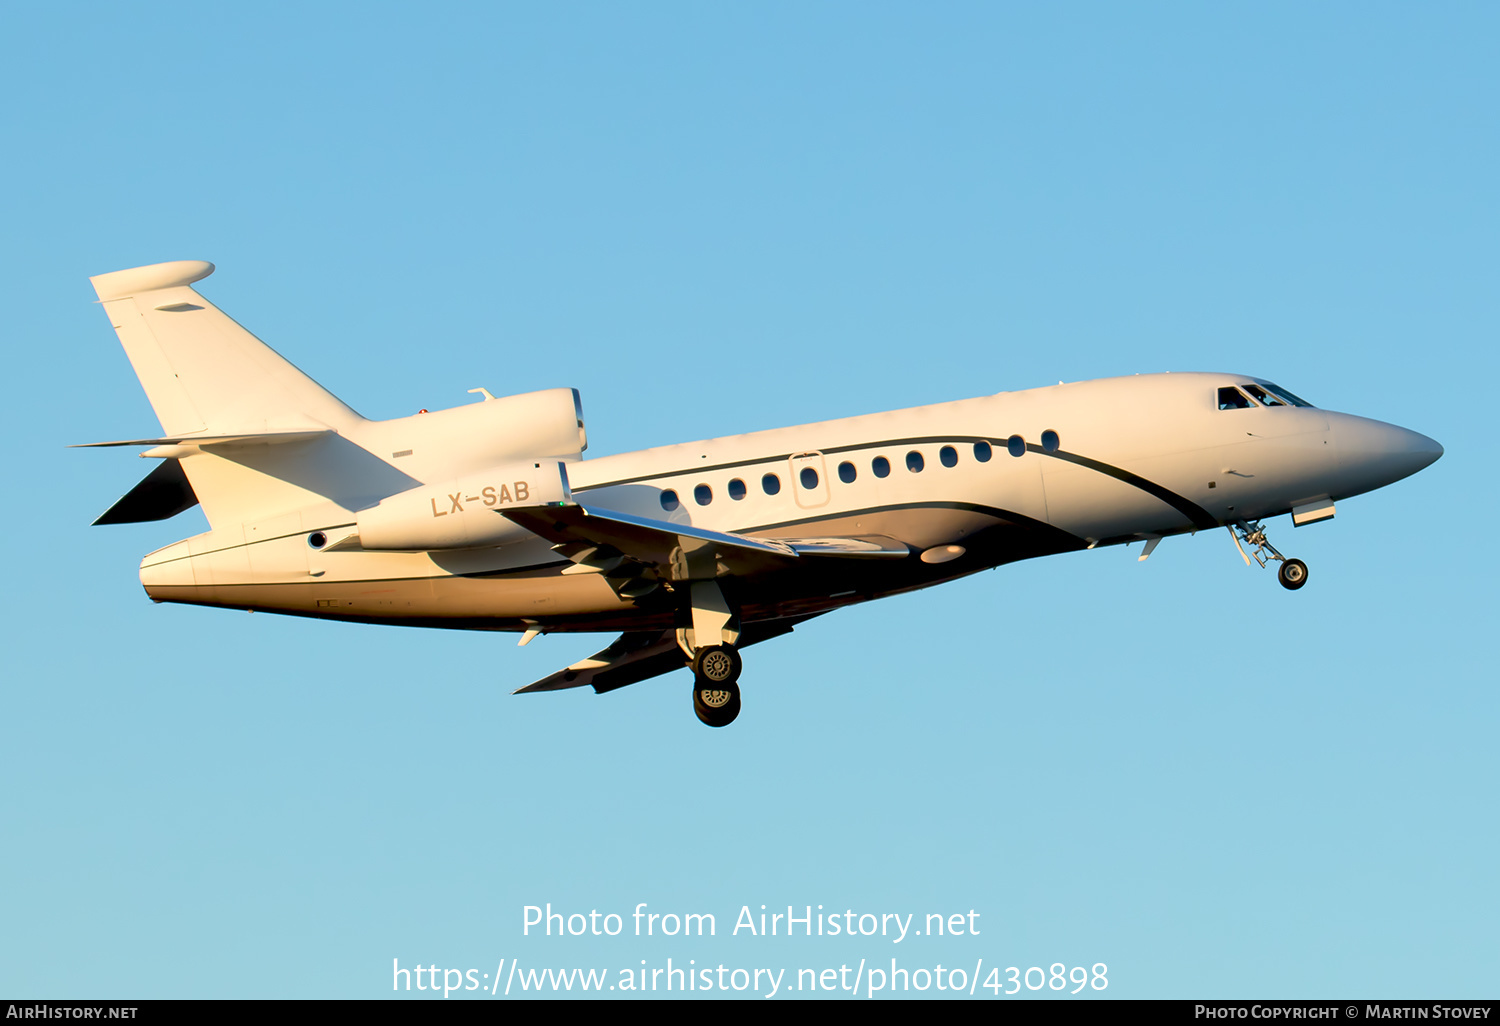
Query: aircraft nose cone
(1427, 448)
(1381, 453)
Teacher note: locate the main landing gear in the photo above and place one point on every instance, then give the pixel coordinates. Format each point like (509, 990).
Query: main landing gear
(1292, 573)
(710, 647)
(716, 689)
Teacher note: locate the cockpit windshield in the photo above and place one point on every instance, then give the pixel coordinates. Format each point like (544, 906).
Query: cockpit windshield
(1233, 399)
(1268, 395)
(1280, 393)
(1263, 397)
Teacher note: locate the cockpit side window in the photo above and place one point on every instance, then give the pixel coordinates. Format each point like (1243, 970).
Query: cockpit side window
(1231, 398)
(1261, 396)
(1289, 397)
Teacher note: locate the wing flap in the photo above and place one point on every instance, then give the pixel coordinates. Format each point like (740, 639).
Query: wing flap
(673, 551)
(624, 545)
(870, 546)
(632, 657)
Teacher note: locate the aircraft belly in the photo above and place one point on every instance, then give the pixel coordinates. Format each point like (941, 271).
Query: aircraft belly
(988, 536)
(532, 596)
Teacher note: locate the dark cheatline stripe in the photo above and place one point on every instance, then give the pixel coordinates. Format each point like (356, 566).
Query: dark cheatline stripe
(1019, 519)
(1201, 518)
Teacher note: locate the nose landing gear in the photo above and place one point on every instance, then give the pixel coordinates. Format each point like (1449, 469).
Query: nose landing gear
(1292, 573)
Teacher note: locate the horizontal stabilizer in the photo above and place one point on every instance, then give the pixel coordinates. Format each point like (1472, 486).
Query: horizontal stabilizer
(163, 493)
(222, 441)
(640, 655)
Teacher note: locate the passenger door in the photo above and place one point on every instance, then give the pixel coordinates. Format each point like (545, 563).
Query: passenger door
(809, 479)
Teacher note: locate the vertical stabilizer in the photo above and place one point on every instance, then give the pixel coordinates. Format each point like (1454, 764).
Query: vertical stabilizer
(207, 376)
(201, 371)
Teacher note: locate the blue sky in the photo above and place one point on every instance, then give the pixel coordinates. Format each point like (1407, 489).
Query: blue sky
(712, 219)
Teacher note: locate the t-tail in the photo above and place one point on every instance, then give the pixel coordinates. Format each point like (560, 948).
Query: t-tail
(252, 437)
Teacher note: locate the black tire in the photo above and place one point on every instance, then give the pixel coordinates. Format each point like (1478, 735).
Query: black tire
(717, 665)
(716, 704)
(1293, 574)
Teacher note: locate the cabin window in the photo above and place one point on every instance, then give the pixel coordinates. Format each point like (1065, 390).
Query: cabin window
(982, 452)
(770, 484)
(914, 462)
(948, 455)
(1015, 445)
(1050, 441)
(809, 478)
(1233, 399)
(847, 472)
(703, 495)
(669, 500)
(736, 489)
(881, 466)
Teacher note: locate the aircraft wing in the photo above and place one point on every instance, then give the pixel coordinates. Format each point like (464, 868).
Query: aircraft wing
(640, 655)
(624, 545)
(649, 543)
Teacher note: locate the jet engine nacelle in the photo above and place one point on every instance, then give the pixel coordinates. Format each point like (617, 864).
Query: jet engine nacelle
(469, 439)
(463, 513)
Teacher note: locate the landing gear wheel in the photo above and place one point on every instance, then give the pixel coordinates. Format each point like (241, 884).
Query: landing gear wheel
(717, 664)
(1293, 574)
(716, 704)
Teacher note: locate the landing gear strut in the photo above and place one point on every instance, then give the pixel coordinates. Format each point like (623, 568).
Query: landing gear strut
(710, 644)
(1292, 573)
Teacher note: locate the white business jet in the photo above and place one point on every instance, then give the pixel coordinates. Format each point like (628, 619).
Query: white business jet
(487, 517)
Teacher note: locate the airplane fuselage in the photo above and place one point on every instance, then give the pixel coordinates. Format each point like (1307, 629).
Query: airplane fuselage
(965, 486)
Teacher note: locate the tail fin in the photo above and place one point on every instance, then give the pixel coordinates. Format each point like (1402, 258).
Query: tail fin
(208, 379)
(201, 371)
